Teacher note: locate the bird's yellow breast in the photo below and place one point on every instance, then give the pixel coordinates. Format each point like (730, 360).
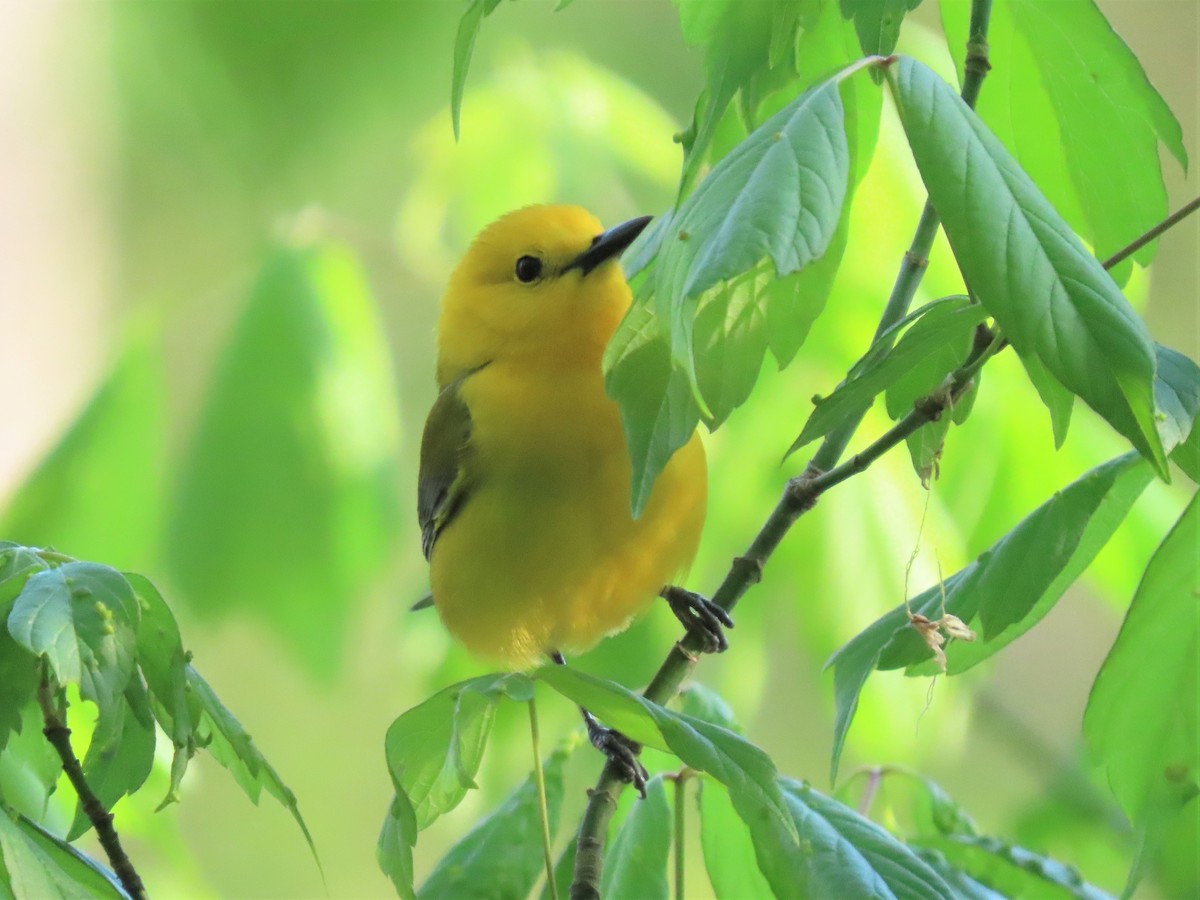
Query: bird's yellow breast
(545, 554)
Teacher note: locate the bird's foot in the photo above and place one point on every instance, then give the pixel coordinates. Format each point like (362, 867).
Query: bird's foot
(699, 616)
(621, 752)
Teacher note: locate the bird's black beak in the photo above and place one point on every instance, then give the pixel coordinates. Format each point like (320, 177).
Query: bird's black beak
(609, 245)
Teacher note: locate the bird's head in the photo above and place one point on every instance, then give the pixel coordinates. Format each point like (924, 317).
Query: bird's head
(540, 284)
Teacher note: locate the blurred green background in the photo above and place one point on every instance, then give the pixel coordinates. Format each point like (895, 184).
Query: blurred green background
(225, 226)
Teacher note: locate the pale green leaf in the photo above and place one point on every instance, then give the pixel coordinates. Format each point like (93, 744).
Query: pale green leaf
(728, 847)
(636, 862)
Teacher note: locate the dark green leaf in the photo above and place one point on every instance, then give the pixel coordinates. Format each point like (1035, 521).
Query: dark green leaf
(936, 337)
(850, 856)
(163, 662)
(1176, 395)
(1059, 304)
(728, 848)
(501, 857)
(99, 492)
(1009, 588)
(1141, 718)
(37, 864)
(434, 750)
(464, 47)
(636, 862)
(878, 22)
(1012, 871)
(120, 755)
(83, 618)
(287, 502)
(394, 851)
(231, 746)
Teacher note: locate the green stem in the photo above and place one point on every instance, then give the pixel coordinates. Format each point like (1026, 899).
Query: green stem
(543, 810)
(59, 736)
(680, 796)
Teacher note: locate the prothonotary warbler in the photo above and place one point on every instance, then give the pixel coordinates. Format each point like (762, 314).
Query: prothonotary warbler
(524, 489)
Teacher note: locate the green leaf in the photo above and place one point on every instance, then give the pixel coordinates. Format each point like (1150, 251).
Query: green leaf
(464, 47)
(636, 862)
(501, 857)
(850, 856)
(231, 746)
(1058, 304)
(964, 886)
(728, 848)
(83, 618)
(164, 662)
(703, 703)
(564, 871)
(1141, 717)
(33, 863)
(1176, 395)
(29, 768)
(1058, 401)
(100, 490)
(616, 706)
(1009, 587)
(287, 501)
(1012, 871)
(18, 667)
(911, 804)
(878, 22)
(394, 851)
(934, 337)
(730, 338)
(120, 755)
(434, 750)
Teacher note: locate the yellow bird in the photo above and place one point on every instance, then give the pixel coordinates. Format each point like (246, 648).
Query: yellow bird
(524, 488)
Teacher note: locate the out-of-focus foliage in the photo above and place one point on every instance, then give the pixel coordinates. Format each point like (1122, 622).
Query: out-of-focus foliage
(217, 125)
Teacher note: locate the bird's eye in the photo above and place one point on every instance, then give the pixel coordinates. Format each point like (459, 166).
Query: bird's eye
(529, 269)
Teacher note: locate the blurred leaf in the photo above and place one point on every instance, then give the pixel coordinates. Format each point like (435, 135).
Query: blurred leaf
(287, 504)
(501, 857)
(936, 328)
(878, 22)
(848, 855)
(1141, 718)
(434, 750)
(1060, 304)
(1009, 588)
(1012, 871)
(120, 755)
(912, 805)
(1176, 395)
(35, 864)
(164, 663)
(396, 842)
(564, 872)
(703, 703)
(83, 618)
(636, 862)
(728, 848)
(231, 746)
(99, 492)
(29, 767)
(464, 47)
(18, 667)
(964, 886)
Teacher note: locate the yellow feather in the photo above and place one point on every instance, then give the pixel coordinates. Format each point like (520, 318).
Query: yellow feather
(543, 554)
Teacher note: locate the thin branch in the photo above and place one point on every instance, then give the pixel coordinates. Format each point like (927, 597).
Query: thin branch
(59, 736)
(540, 779)
(1167, 223)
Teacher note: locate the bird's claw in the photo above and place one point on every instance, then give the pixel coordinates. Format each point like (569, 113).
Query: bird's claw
(622, 753)
(700, 616)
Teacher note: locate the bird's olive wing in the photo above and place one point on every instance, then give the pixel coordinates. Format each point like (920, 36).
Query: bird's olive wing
(442, 483)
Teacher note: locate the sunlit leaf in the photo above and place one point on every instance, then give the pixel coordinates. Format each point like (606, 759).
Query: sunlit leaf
(878, 22)
(963, 886)
(1008, 589)
(1058, 304)
(434, 750)
(728, 848)
(1141, 718)
(501, 857)
(636, 862)
(848, 855)
(231, 746)
(35, 864)
(464, 47)
(287, 505)
(83, 618)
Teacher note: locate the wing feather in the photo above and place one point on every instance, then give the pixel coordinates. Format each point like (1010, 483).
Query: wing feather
(443, 484)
